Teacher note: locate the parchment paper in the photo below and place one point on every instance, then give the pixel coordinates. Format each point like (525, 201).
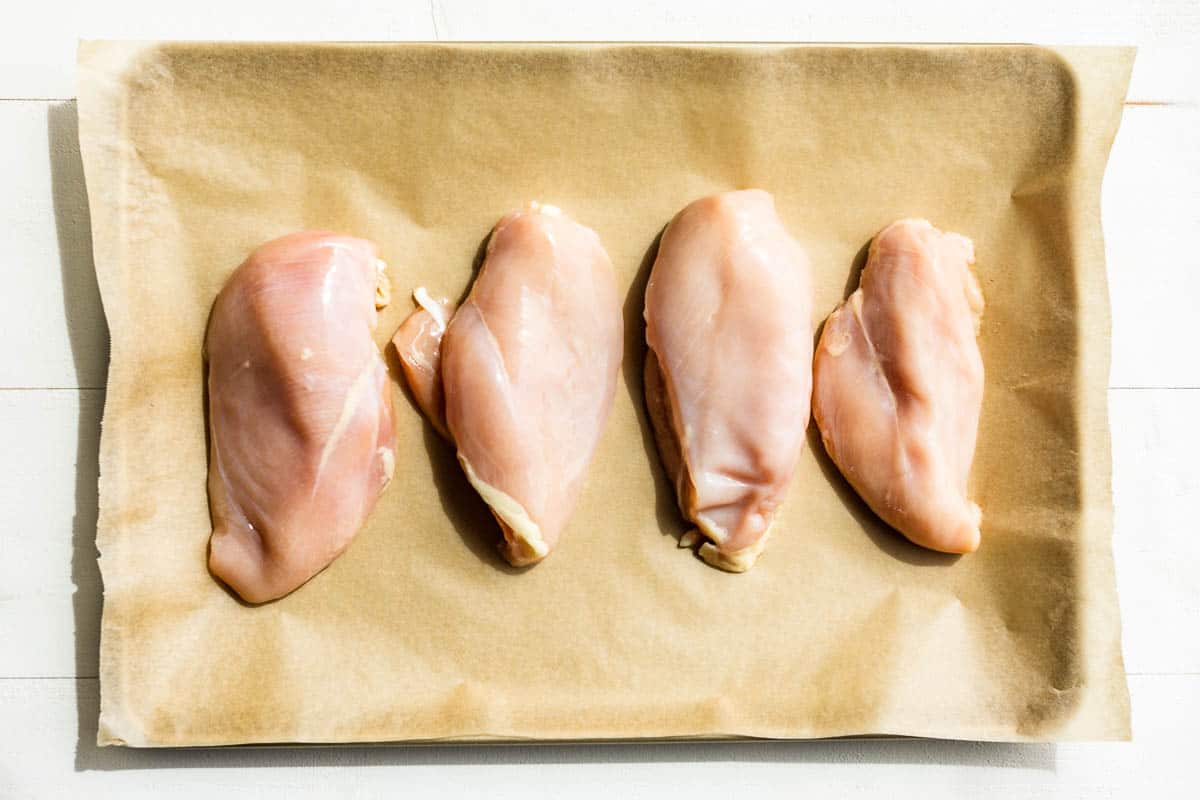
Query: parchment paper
(196, 153)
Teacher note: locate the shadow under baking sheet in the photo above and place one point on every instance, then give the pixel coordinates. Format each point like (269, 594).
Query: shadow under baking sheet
(863, 750)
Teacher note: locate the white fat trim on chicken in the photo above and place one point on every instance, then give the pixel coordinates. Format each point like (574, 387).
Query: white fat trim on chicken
(738, 560)
(714, 532)
(349, 405)
(388, 459)
(511, 512)
(436, 310)
(544, 208)
(383, 286)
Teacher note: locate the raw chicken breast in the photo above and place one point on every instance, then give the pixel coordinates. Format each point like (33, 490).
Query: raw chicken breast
(729, 372)
(300, 410)
(528, 369)
(899, 384)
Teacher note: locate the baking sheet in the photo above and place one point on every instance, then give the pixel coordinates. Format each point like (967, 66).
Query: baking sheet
(195, 153)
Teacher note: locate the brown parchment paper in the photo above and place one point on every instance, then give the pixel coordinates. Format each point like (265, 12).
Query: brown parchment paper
(195, 153)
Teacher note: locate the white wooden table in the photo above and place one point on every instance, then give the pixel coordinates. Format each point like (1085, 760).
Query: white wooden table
(52, 376)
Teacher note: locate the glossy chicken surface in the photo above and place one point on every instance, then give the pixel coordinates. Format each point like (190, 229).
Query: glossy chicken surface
(527, 367)
(899, 384)
(729, 372)
(299, 410)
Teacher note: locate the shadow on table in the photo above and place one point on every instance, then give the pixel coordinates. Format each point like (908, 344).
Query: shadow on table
(82, 301)
(88, 334)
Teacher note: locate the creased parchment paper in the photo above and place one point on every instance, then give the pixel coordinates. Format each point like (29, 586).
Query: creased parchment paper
(196, 153)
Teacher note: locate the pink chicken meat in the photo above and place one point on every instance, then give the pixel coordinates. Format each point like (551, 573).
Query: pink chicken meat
(899, 384)
(299, 410)
(521, 376)
(729, 371)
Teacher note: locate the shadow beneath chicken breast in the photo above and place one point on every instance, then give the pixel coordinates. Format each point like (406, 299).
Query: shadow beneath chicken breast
(855, 276)
(880, 533)
(476, 265)
(670, 521)
(461, 503)
(463, 506)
